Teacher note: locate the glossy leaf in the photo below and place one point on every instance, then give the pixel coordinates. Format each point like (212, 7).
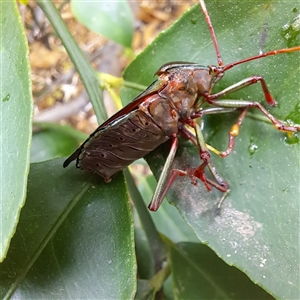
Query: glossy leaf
(155, 243)
(258, 228)
(113, 19)
(208, 277)
(48, 144)
(51, 140)
(145, 291)
(167, 219)
(15, 117)
(74, 240)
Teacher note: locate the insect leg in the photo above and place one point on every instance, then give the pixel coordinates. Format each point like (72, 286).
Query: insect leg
(190, 136)
(242, 84)
(198, 140)
(233, 133)
(213, 110)
(250, 104)
(219, 184)
(166, 178)
(234, 130)
(199, 172)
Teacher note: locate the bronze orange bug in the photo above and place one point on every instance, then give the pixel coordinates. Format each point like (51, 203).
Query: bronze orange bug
(165, 110)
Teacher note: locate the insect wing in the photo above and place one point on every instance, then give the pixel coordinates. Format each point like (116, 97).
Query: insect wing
(155, 87)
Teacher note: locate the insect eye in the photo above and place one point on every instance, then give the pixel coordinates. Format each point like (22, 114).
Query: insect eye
(212, 70)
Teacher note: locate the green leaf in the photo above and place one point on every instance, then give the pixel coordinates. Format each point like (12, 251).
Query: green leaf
(112, 19)
(167, 219)
(48, 144)
(206, 276)
(144, 254)
(53, 140)
(155, 243)
(15, 116)
(74, 239)
(258, 228)
(145, 291)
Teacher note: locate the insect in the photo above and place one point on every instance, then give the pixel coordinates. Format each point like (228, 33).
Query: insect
(168, 108)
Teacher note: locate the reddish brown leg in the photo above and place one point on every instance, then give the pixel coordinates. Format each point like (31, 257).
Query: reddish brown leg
(242, 84)
(233, 133)
(165, 179)
(168, 176)
(218, 183)
(156, 201)
(199, 172)
(248, 104)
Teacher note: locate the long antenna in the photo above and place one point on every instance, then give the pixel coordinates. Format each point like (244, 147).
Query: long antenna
(216, 46)
(270, 53)
(212, 32)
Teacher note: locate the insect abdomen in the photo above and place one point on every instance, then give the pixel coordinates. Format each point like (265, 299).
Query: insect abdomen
(120, 143)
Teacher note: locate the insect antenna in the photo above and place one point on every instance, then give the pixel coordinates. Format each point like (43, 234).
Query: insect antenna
(212, 32)
(216, 46)
(270, 53)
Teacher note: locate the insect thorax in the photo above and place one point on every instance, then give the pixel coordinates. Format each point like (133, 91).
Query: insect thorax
(185, 86)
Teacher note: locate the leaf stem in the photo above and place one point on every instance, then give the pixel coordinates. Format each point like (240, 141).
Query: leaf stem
(157, 246)
(87, 74)
(134, 85)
